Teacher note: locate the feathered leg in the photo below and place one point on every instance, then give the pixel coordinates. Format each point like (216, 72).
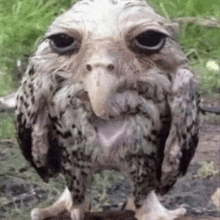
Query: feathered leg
(76, 167)
(145, 202)
(77, 171)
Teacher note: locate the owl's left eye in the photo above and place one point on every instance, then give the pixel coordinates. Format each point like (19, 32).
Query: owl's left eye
(150, 41)
(63, 43)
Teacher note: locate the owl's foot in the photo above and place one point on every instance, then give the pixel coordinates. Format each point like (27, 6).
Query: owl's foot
(76, 213)
(64, 203)
(152, 209)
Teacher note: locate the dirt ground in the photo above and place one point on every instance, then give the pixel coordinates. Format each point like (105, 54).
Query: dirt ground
(193, 190)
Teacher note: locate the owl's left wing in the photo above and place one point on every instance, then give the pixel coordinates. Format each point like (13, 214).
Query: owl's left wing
(182, 140)
(35, 133)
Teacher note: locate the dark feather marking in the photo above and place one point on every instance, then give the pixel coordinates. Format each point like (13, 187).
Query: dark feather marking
(21, 98)
(64, 134)
(25, 141)
(59, 79)
(26, 105)
(32, 100)
(188, 154)
(31, 71)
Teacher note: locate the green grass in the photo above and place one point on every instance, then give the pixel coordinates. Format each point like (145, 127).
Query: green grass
(178, 8)
(207, 169)
(22, 23)
(200, 43)
(7, 126)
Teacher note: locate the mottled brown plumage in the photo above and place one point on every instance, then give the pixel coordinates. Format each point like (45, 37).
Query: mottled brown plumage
(108, 88)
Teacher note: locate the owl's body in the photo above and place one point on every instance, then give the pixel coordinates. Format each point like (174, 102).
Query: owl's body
(108, 89)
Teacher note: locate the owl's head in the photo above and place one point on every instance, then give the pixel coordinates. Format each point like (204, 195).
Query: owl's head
(107, 45)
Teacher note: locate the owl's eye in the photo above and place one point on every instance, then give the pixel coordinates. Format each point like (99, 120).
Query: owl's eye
(150, 41)
(63, 43)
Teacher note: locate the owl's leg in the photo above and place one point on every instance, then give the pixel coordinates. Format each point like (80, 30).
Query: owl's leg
(78, 208)
(77, 172)
(73, 198)
(146, 205)
(64, 203)
(152, 209)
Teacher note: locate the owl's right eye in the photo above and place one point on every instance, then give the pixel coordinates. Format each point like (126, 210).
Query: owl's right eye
(150, 41)
(63, 43)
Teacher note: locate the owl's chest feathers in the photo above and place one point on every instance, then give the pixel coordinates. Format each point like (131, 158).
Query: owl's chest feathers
(135, 127)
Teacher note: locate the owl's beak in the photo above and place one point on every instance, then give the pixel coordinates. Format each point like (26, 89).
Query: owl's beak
(100, 85)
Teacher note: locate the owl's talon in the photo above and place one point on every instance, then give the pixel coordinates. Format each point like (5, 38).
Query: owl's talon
(35, 214)
(152, 209)
(167, 215)
(184, 206)
(76, 214)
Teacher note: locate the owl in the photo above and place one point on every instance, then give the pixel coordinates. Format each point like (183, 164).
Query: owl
(109, 88)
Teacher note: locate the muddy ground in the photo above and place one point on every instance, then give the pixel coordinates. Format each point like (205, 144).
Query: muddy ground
(194, 190)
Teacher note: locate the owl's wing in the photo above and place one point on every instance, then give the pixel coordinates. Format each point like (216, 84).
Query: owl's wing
(182, 140)
(34, 129)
